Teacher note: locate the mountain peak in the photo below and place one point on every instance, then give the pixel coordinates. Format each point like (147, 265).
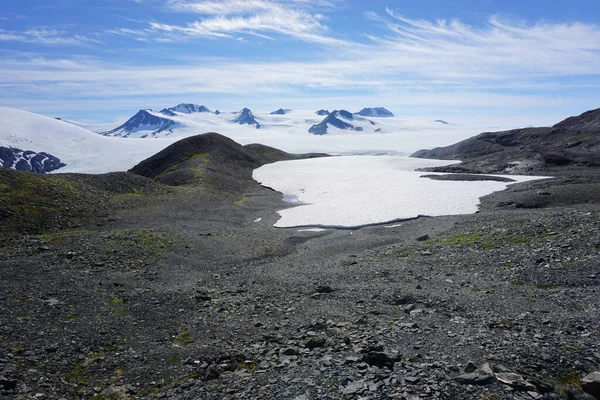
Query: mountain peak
(281, 111)
(246, 118)
(143, 120)
(335, 119)
(375, 112)
(322, 112)
(185, 108)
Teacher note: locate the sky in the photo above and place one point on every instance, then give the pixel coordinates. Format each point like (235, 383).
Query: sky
(497, 62)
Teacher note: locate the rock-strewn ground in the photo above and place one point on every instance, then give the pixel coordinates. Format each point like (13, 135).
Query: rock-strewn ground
(183, 293)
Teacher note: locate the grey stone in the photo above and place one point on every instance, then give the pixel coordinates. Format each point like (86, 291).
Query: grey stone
(591, 384)
(474, 379)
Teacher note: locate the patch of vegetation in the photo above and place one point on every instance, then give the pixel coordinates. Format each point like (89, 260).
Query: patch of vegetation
(248, 365)
(546, 286)
(240, 201)
(183, 338)
(175, 359)
(516, 283)
(569, 377)
(402, 252)
(152, 240)
(117, 307)
(77, 375)
(508, 266)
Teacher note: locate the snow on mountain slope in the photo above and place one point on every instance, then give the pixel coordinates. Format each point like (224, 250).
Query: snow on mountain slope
(96, 128)
(81, 150)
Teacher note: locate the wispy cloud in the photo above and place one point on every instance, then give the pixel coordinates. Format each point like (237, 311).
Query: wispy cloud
(45, 36)
(261, 18)
(409, 62)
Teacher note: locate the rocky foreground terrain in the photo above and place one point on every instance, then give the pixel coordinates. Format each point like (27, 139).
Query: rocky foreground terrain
(175, 285)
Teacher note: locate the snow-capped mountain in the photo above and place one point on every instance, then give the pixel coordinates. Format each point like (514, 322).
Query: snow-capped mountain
(184, 108)
(380, 112)
(246, 117)
(146, 121)
(29, 161)
(76, 145)
(49, 143)
(345, 121)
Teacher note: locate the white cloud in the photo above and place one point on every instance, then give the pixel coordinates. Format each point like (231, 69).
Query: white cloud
(262, 18)
(413, 63)
(45, 36)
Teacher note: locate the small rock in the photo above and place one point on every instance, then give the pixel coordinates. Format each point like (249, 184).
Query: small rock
(290, 352)
(515, 380)
(380, 360)
(324, 289)
(423, 238)
(591, 384)
(315, 342)
(8, 384)
(471, 367)
(354, 387)
(474, 379)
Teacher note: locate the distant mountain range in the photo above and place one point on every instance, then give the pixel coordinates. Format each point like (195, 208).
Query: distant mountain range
(183, 117)
(33, 142)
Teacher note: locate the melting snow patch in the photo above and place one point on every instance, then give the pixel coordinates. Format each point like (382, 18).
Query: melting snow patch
(393, 226)
(312, 230)
(258, 220)
(348, 192)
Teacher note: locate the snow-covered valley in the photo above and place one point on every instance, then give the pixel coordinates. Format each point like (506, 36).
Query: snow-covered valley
(347, 192)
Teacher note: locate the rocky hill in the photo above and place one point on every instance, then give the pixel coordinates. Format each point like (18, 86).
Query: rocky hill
(209, 158)
(572, 142)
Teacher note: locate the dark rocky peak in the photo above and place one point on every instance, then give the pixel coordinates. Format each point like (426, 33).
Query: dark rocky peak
(246, 118)
(333, 119)
(217, 112)
(375, 112)
(28, 161)
(343, 114)
(187, 108)
(144, 120)
(281, 111)
(441, 121)
(589, 121)
(168, 112)
(322, 112)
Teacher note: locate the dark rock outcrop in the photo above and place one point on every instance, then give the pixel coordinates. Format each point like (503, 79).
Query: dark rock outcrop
(246, 118)
(572, 142)
(281, 111)
(28, 161)
(322, 112)
(375, 112)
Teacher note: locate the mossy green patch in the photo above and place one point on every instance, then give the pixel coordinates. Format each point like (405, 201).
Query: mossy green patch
(546, 286)
(184, 338)
(517, 283)
(153, 241)
(117, 307)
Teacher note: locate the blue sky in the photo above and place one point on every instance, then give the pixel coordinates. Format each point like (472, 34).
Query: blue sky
(525, 62)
